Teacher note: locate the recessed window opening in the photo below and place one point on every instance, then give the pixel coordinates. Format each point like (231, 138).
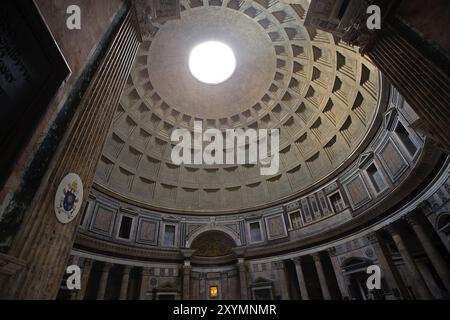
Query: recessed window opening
(169, 236)
(125, 227)
(405, 138)
(376, 178)
(255, 232)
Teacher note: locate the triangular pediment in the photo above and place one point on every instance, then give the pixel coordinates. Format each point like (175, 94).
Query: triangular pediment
(389, 118)
(365, 158)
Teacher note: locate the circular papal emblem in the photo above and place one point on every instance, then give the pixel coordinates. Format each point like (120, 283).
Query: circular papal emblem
(69, 198)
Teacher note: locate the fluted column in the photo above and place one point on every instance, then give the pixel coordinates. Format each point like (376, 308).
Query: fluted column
(125, 283)
(42, 240)
(243, 278)
(322, 279)
(103, 281)
(301, 278)
(85, 274)
(429, 279)
(433, 254)
(279, 265)
(343, 288)
(424, 86)
(388, 269)
(145, 277)
(416, 280)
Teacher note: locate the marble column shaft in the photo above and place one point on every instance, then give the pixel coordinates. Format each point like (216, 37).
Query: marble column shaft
(103, 281)
(125, 283)
(145, 277)
(42, 241)
(416, 280)
(343, 288)
(281, 268)
(388, 269)
(186, 281)
(243, 280)
(433, 254)
(322, 279)
(301, 278)
(224, 284)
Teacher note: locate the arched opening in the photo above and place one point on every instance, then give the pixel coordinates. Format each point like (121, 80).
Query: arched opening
(214, 273)
(212, 244)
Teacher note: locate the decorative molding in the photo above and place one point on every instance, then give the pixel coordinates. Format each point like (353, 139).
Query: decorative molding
(332, 251)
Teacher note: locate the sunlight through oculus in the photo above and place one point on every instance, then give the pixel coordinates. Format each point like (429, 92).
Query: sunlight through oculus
(212, 62)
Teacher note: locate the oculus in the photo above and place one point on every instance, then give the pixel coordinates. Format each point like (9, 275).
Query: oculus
(212, 62)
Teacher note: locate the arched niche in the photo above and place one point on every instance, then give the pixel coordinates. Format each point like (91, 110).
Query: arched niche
(207, 228)
(213, 243)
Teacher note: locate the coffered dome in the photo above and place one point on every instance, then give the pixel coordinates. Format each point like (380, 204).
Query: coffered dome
(322, 95)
